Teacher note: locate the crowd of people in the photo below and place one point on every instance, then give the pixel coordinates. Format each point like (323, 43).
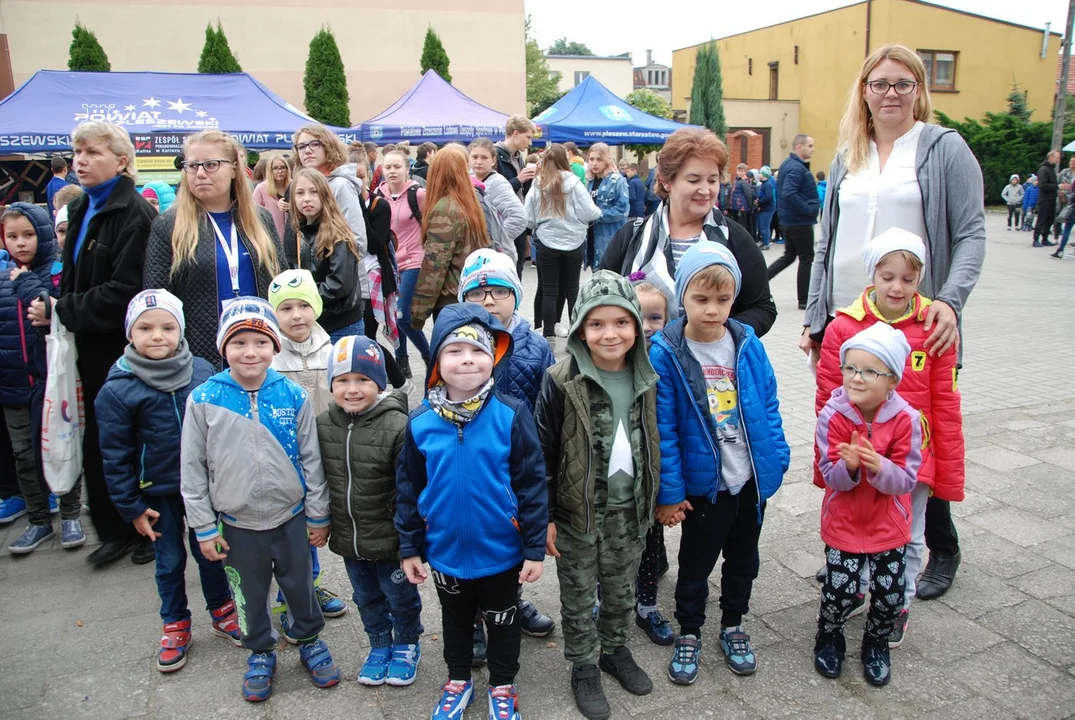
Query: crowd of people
(1044, 203)
(243, 348)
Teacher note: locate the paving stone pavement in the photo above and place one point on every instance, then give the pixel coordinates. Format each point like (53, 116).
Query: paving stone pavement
(78, 643)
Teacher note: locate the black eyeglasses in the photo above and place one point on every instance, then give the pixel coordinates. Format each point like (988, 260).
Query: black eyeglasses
(869, 375)
(880, 87)
(478, 295)
(312, 145)
(211, 166)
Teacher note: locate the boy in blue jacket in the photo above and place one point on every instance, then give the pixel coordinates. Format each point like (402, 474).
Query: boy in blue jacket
(471, 501)
(140, 408)
(723, 452)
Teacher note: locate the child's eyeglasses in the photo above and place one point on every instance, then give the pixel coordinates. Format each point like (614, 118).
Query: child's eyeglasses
(869, 374)
(478, 295)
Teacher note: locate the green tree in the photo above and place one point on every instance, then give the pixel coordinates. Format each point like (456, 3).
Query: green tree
(648, 102)
(707, 91)
(217, 57)
(325, 82)
(542, 87)
(434, 56)
(563, 47)
(86, 53)
(1017, 103)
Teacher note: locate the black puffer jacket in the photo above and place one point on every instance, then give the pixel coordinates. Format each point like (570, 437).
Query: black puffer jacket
(362, 493)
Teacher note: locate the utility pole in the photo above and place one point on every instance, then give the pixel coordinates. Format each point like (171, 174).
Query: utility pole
(1062, 91)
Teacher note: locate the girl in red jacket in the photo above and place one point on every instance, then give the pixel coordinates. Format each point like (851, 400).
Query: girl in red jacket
(894, 262)
(869, 443)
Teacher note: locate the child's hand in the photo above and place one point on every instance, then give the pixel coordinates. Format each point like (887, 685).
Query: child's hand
(849, 453)
(215, 549)
(550, 541)
(531, 571)
(144, 524)
(414, 570)
(869, 457)
(318, 537)
(672, 515)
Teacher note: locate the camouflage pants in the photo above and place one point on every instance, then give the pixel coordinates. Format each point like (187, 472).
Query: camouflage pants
(611, 556)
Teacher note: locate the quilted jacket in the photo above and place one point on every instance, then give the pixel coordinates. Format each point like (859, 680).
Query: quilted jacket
(530, 357)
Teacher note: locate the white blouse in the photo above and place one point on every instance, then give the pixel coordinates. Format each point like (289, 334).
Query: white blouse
(872, 201)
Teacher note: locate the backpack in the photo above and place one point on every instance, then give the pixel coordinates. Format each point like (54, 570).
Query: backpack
(412, 201)
(494, 227)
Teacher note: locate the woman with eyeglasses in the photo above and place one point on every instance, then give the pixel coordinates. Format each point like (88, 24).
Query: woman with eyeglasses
(215, 244)
(271, 193)
(893, 169)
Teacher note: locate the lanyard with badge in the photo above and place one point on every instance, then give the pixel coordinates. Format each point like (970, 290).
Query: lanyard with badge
(231, 252)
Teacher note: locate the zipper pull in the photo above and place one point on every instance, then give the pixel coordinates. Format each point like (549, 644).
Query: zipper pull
(459, 428)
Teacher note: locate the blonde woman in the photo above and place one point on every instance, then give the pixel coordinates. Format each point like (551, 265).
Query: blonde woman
(214, 244)
(271, 193)
(609, 192)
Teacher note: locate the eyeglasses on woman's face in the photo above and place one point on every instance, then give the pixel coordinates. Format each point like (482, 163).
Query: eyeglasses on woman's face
(902, 87)
(211, 166)
(313, 146)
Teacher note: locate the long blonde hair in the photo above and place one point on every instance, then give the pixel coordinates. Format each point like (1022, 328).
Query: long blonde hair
(550, 180)
(605, 152)
(856, 126)
(332, 228)
(190, 216)
(276, 191)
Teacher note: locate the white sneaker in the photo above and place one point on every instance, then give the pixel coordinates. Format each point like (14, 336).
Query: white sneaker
(561, 330)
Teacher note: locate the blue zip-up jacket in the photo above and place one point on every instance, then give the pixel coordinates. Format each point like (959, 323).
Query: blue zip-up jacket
(636, 197)
(797, 193)
(471, 499)
(1030, 197)
(520, 374)
(690, 459)
(140, 429)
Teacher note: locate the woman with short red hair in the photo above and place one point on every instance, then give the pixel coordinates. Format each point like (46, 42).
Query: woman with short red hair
(691, 164)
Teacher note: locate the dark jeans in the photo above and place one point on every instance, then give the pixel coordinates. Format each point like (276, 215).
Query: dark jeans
(1013, 211)
(172, 562)
(1046, 217)
(1065, 236)
(495, 597)
(941, 535)
(386, 601)
(9, 484)
(798, 242)
(730, 527)
(520, 251)
(408, 279)
(560, 270)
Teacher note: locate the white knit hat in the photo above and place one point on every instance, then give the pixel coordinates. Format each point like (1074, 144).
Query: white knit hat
(890, 241)
(154, 300)
(884, 342)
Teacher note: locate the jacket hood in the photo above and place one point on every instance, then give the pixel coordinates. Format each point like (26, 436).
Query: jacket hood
(165, 193)
(347, 172)
(608, 288)
(393, 400)
(290, 357)
(865, 306)
(454, 316)
(570, 181)
(384, 190)
(46, 234)
(674, 335)
(890, 408)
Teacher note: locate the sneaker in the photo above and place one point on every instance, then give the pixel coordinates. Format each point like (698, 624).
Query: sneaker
(532, 621)
(12, 509)
(1036, 244)
(1047, 243)
(375, 670)
(404, 664)
(876, 662)
(257, 682)
(766, 246)
(71, 534)
(621, 665)
(1058, 255)
(829, 650)
(683, 670)
(737, 650)
(504, 703)
(859, 606)
(454, 699)
(226, 623)
(30, 539)
(317, 660)
(589, 695)
(480, 648)
(562, 330)
(175, 642)
(900, 630)
(54, 504)
(331, 605)
(285, 628)
(657, 628)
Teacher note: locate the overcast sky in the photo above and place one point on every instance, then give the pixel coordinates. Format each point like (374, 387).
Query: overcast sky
(611, 27)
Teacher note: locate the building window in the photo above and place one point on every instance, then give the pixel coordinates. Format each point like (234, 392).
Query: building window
(940, 69)
(581, 75)
(774, 80)
(553, 75)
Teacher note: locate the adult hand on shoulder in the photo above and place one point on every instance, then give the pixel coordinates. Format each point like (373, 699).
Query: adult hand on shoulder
(941, 318)
(36, 312)
(215, 549)
(414, 570)
(144, 524)
(531, 571)
(550, 541)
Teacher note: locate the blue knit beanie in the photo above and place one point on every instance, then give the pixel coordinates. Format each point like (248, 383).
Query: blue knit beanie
(357, 354)
(698, 257)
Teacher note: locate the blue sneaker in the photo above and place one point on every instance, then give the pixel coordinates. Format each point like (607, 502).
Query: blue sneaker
(375, 670)
(737, 650)
(683, 670)
(12, 509)
(318, 662)
(504, 703)
(331, 605)
(30, 539)
(71, 534)
(54, 504)
(285, 627)
(404, 666)
(454, 700)
(257, 682)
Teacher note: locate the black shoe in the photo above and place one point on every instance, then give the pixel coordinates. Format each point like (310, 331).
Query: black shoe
(404, 364)
(1036, 244)
(589, 695)
(622, 666)
(532, 621)
(802, 306)
(657, 628)
(829, 650)
(1046, 243)
(820, 574)
(876, 662)
(938, 576)
(1058, 255)
(112, 550)
(481, 648)
(143, 553)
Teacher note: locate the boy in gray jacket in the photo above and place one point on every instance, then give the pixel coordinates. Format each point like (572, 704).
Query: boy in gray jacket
(255, 491)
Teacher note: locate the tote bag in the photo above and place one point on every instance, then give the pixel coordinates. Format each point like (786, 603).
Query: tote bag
(63, 420)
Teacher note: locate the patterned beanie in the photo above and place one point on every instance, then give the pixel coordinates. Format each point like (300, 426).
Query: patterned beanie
(487, 267)
(247, 314)
(295, 285)
(357, 354)
(154, 300)
(477, 335)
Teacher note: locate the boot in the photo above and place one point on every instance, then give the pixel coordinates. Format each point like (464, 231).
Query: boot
(876, 661)
(829, 651)
(938, 576)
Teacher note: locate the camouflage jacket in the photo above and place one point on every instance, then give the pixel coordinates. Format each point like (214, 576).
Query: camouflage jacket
(448, 242)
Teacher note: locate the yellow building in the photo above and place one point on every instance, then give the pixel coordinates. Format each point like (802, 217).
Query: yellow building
(616, 72)
(972, 61)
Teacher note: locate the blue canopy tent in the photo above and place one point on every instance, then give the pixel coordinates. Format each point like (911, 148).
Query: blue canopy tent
(591, 113)
(158, 109)
(434, 111)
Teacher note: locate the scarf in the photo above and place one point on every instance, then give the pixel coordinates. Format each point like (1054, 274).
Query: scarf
(460, 412)
(167, 375)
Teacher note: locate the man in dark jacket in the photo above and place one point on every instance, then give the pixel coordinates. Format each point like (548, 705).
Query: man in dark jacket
(425, 154)
(636, 193)
(1048, 185)
(511, 163)
(796, 195)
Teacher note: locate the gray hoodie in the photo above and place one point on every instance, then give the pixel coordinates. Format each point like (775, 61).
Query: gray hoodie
(347, 189)
(567, 232)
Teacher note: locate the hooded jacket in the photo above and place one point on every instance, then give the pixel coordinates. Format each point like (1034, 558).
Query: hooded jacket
(1012, 194)
(471, 498)
(574, 417)
(690, 457)
(405, 225)
(360, 453)
(567, 232)
(347, 189)
(507, 206)
(520, 374)
(306, 365)
(251, 459)
(1030, 197)
(22, 346)
(165, 194)
(868, 513)
(796, 192)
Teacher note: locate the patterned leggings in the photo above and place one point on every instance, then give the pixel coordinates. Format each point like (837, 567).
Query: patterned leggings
(654, 560)
(841, 586)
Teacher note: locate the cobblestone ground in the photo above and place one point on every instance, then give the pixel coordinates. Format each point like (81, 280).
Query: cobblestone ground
(80, 643)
